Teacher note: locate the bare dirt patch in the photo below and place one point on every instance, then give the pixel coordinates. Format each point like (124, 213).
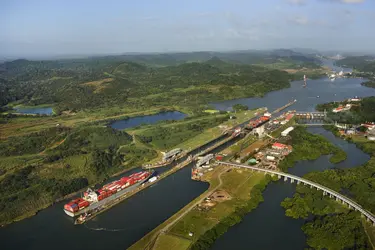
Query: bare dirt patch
(98, 85)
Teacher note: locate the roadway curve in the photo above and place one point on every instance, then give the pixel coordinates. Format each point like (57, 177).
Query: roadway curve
(352, 204)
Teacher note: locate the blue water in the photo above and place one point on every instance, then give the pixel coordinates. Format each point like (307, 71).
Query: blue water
(40, 111)
(307, 98)
(147, 119)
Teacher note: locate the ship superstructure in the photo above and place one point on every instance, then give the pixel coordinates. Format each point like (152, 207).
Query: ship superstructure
(93, 199)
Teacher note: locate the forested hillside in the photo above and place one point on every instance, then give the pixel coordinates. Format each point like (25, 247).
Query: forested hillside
(140, 81)
(360, 63)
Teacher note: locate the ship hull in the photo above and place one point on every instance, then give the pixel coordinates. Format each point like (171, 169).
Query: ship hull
(99, 204)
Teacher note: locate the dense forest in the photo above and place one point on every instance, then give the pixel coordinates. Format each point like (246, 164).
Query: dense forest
(141, 81)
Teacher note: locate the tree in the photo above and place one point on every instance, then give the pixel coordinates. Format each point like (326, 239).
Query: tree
(239, 107)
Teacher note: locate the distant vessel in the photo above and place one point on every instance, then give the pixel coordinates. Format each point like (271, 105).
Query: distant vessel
(304, 80)
(94, 199)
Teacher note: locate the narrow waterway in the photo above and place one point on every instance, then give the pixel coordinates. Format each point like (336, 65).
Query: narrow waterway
(39, 111)
(127, 222)
(147, 119)
(267, 227)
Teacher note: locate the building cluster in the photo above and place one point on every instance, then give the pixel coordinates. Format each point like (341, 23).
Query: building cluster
(369, 134)
(279, 121)
(270, 157)
(342, 108)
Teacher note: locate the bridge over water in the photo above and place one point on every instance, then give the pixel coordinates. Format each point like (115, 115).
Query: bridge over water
(311, 115)
(326, 191)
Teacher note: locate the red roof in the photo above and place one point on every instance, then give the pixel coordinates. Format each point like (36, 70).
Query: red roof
(279, 145)
(290, 116)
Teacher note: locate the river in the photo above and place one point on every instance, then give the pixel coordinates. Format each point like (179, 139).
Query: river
(127, 222)
(39, 111)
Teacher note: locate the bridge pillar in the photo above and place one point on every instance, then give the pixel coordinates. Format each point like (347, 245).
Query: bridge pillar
(279, 176)
(291, 180)
(337, 199)
(298, 182)
(285, 178)
(311, 186)
(343, 202)
(350, 207)
(330, 195)
(324, 193)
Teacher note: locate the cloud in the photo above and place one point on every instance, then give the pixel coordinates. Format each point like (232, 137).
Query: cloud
(297, 2)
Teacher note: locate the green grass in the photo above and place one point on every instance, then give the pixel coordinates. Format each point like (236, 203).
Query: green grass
(168, 135)
(238, 183)
(212, 133)
(11, 162)
(211, 111)
(167, 241)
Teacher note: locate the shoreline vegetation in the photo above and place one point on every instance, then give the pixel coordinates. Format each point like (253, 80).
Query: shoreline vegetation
(307, 146)
(326, 216)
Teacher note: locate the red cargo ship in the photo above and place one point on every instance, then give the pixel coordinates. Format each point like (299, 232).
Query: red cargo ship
(95, 198)
(258, 122)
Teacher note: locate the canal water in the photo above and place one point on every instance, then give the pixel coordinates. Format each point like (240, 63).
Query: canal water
(40, 111)
(147, 119)
(127, 222)
(267, 227)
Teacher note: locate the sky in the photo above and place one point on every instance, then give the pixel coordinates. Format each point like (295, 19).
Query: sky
(33, 28)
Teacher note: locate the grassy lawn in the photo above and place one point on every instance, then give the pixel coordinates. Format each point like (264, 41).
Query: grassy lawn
(167, 241)
(238, 183)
